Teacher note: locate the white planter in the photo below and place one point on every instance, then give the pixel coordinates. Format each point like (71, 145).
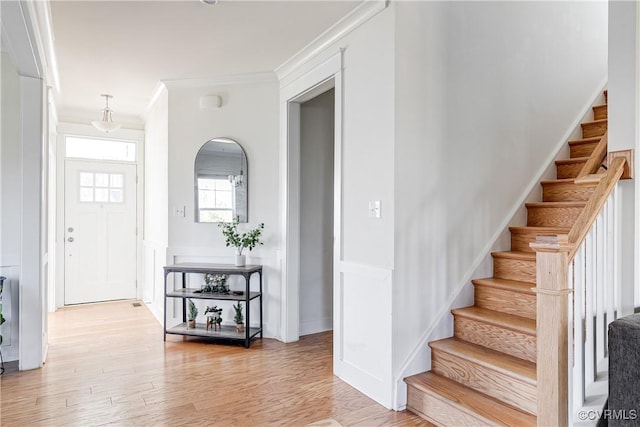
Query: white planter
(241, 260)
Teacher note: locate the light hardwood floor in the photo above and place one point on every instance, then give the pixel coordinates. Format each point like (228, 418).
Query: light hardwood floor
(108, 365)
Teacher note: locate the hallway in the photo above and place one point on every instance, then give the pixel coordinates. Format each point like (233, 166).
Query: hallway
(108, 365)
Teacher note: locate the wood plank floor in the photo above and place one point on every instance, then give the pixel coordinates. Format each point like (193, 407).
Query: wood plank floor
(108, 365)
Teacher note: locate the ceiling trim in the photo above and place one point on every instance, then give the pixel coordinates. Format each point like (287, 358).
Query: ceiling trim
(39, 13)
(220, 81)
(17, 39)
(358, 16)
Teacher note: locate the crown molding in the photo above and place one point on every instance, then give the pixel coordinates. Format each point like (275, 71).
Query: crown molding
(248, 78)
(17, 40)
(39, 16)
(358, 16)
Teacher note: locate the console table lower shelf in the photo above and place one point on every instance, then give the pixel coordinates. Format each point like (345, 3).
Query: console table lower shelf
(225, 332)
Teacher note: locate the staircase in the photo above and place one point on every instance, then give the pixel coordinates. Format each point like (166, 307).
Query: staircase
(486, 373)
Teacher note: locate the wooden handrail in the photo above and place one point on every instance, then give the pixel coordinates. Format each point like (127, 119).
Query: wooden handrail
(594, 205)
(596, 158)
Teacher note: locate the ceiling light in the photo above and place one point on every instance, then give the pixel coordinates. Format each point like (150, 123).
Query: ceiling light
(210, 2)
(106, 124)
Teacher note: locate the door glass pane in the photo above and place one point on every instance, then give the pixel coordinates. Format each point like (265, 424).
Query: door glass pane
(86, 179)
(102, 180)
(115, 196)
(86, 194)
(102, 195)
(117, 180)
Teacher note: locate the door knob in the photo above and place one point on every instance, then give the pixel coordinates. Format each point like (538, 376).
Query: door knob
(70, 229)
(70, 239)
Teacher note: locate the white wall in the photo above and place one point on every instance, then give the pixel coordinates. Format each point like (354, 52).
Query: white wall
(623, 113)
(156, 210)
(249, 115)
(485, 92)
(316, 213)
(10, 242)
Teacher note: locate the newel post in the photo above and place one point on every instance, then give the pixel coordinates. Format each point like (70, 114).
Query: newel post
(552, 256)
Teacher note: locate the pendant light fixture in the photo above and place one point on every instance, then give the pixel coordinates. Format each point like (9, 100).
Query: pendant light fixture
(106, 124)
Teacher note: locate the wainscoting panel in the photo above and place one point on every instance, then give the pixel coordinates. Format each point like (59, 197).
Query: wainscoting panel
(363, 354)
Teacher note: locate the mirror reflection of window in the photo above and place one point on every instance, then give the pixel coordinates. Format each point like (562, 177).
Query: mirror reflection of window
(215, 200)
(220, 181)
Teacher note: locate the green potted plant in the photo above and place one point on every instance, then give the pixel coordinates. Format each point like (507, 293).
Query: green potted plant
(238, 318)
(193, 313)
(247, 240)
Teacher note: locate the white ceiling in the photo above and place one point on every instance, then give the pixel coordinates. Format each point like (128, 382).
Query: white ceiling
(125, 48)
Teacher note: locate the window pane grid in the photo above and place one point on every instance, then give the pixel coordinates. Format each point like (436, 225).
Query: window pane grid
(101, 187)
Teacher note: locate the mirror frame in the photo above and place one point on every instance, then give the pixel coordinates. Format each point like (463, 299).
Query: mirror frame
(245, 183)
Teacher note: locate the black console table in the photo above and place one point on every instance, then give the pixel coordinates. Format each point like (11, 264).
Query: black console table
(225, 332)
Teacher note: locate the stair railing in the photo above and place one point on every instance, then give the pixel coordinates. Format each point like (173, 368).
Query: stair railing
(575, 301)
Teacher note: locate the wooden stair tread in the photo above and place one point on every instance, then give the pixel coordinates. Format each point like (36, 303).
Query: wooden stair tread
(496, 318)
(578, 204)
(546, 231)
(505, 284)
(591, 140)
(572, 161)
(559, 181)
(492, 359)
(592, 122)
(469, 401)
(526, 256)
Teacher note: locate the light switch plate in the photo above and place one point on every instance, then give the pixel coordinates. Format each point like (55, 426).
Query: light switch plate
(374, 209)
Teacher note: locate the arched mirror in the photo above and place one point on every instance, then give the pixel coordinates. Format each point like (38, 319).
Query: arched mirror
(221, 182)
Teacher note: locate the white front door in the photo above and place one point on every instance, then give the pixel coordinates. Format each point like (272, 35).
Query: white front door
(100, 231)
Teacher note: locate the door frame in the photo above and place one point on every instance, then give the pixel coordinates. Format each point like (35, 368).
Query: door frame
(87, 131)
(321, 78)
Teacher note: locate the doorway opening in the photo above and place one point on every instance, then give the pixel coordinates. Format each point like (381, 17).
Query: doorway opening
(317, 129)
(303, 311)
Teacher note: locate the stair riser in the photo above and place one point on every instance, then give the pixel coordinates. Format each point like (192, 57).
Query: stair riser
(565, 192)
(592, 129)
(521, 241)
(582, 150)
(440, 411)
(564, 216)
(499, 385)
(570, 170)
(505, 301)
(515, 269)
(504, 340)
(600, 112)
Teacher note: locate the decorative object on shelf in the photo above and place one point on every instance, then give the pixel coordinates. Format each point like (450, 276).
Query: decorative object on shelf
(215, 318)
(106, 124)
(216, 283)
(247, 240)
(238, 318)
(193, 313)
